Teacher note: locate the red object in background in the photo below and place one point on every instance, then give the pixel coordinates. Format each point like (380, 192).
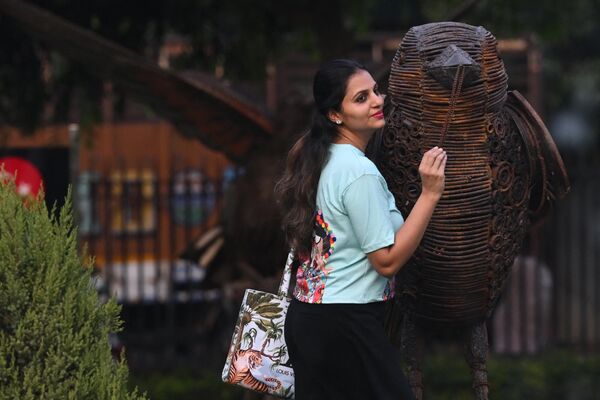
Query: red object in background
(28, 178)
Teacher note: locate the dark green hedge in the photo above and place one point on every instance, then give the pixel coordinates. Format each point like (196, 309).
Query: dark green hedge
(555, 375)
(186, 385)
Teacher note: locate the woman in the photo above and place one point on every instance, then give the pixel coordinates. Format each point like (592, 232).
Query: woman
(350, 239)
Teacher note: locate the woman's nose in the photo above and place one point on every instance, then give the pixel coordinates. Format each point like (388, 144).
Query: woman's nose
(378, 100)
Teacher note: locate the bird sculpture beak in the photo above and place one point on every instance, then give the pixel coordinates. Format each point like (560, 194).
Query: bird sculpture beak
(445, 66)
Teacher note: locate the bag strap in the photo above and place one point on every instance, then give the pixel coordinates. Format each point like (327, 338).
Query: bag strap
(287, 275)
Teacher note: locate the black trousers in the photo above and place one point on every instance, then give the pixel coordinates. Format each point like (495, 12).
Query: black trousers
(340, 351)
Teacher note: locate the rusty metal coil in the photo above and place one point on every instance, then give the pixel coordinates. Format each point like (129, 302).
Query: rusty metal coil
(500, 223)
(442, 239)
(480, 202)
(495, 144)
(395, 118)
(501, 125)
(399, 178)
(465, 192)
(410, 131)
(498, 263)
(489, 126)
(398, 164)
(388, 139)
(412, 145)
(503, 175)
(518, 192)
(412, 191)
(496, 242)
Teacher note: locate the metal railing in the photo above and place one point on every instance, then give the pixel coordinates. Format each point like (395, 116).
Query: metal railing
(137, 227)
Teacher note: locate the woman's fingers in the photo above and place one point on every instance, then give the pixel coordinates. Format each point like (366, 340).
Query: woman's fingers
(443, 166)
(431, 156)
(437, 162)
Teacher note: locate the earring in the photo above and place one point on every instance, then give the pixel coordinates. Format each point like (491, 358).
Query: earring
(337, 121)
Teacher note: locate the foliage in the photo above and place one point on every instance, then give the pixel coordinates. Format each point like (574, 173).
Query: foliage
(187, 385)
(53, 328)
(553, 375)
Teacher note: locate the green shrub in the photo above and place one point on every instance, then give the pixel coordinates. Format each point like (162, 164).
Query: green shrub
(53, 328)
(188, 385)
(556, 374)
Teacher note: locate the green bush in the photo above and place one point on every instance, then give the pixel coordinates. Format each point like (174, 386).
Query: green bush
(556, 374)
(188, 385)
(53, 328)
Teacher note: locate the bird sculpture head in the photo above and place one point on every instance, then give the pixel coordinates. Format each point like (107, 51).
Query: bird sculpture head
(447, 76)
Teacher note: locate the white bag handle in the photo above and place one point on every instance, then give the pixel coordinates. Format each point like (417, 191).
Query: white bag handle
(287, 275)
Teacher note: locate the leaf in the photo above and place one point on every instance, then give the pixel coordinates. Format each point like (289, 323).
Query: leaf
(255, 299)
(275, 365)
(262, 325)
(270, 315)
(267, 306)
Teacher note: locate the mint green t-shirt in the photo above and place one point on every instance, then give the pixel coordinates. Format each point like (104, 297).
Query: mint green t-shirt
(356, 215)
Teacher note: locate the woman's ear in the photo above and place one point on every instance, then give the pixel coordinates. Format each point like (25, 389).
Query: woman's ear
(334, 117)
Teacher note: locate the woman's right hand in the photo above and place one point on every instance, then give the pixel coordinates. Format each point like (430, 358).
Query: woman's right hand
(432, 169)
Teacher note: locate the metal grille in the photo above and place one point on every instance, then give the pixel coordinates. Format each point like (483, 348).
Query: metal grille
(137, 227)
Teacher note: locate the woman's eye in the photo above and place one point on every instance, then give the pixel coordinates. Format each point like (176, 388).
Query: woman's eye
(361, 98)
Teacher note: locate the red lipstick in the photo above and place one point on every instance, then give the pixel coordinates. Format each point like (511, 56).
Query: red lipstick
(378, 115)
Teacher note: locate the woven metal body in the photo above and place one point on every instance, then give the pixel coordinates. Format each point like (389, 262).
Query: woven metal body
(448, 88)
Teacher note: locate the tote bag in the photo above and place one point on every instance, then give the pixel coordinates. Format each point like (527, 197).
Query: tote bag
(258, 358)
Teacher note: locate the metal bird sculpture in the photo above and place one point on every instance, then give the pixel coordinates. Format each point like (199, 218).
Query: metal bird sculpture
(448, 87)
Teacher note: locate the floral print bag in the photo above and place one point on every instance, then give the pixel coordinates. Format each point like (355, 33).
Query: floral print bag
(258, 358)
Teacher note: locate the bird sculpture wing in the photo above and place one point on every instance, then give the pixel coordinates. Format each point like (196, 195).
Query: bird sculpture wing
(549, 176)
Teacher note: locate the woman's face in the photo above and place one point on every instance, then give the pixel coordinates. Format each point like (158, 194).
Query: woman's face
(362, 107)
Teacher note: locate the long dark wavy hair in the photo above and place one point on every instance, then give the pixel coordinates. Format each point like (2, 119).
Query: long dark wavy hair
(296, 191)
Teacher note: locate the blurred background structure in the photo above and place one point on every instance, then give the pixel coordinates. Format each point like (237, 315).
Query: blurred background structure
(171, 121)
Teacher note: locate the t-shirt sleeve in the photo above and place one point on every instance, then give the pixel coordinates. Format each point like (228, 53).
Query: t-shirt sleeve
(365, 201)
